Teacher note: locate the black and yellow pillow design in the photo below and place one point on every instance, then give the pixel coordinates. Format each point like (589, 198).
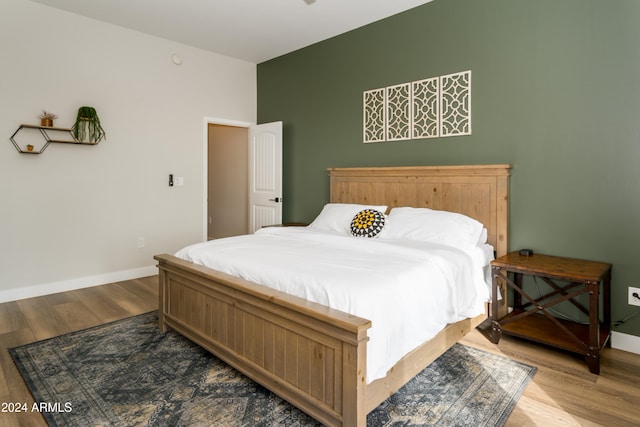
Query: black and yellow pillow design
(367, 223)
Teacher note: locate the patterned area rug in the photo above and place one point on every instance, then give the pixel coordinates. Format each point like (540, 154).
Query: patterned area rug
(128, 373)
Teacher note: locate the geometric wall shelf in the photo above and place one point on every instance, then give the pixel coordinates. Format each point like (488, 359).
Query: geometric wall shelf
(46, 133)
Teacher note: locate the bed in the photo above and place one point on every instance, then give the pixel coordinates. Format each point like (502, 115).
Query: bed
(314, 356)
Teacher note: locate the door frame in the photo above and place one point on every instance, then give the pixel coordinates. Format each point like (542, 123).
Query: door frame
(205, 163)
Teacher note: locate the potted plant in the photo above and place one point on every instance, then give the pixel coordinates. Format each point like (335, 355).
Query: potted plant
(87, 127)
(46, 118)
(29, 147)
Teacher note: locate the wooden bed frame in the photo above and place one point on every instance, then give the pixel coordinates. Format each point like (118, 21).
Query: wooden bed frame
(311, 355)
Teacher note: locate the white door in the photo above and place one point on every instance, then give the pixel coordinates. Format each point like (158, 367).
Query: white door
(265, 175)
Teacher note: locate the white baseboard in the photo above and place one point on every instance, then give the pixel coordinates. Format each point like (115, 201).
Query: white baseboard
(73, 284)
(626, 342)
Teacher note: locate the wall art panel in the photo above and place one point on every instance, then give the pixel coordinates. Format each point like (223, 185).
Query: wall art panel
(429, 108)
(374, 115)
(455, 104)
(425, 111)
(399, 112)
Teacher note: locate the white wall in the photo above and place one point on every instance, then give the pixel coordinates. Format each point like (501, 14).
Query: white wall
(71, 217)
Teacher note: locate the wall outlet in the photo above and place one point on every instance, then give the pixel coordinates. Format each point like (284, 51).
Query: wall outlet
(634, 299)
(141, 242)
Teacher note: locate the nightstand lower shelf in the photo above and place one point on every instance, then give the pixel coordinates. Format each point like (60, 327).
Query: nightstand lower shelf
(540, 329)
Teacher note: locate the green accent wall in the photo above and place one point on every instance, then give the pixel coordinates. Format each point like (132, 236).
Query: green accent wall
(555, 93)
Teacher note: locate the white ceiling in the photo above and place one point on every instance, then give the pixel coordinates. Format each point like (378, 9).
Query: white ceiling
(251, 30)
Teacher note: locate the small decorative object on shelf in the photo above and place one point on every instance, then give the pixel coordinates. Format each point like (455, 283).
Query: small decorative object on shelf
(46, 118)
(87, 127)
(29, 147)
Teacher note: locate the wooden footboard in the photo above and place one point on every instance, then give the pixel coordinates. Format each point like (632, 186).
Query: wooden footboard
(312, 356)
(309, 354)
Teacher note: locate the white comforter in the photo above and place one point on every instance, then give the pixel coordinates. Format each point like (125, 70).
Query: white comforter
(409, 290)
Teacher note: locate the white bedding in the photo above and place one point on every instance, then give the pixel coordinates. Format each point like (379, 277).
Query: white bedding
(409, 290)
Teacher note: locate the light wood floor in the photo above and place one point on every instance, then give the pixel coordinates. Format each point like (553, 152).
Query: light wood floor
(562, 393)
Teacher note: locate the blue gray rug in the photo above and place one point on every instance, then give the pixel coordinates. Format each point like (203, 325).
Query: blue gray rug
(128, 373)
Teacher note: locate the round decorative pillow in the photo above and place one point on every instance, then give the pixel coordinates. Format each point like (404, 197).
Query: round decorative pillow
(367, 223)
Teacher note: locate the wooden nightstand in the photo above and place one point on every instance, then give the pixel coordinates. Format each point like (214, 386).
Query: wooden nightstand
(530, 318)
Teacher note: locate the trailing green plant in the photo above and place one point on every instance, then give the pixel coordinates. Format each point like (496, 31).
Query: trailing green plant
(87, 126)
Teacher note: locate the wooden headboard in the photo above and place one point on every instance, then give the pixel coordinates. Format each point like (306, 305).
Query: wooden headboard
(478, 191)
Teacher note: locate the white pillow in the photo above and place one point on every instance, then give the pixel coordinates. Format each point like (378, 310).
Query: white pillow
(337, 217)
(430, 225)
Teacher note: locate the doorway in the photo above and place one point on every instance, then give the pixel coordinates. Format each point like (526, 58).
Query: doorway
(227, 181)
